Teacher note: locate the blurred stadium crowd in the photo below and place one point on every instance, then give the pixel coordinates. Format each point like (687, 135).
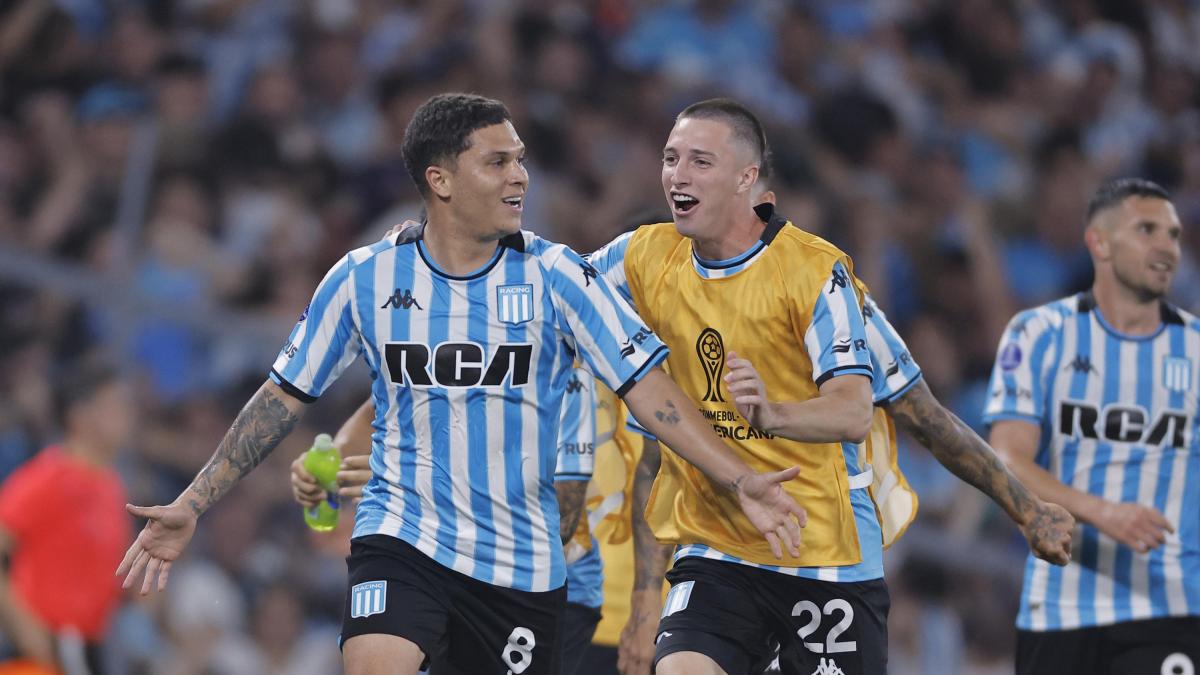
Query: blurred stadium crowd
(177, 175)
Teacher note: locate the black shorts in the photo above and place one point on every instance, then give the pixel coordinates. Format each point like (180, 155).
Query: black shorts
(1154, 646)
(462, 624)
(575, 635)
(737, 615)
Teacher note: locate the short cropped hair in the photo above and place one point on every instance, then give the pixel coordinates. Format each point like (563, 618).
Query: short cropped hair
(441, 128)
(1118, 190)
(745, 125)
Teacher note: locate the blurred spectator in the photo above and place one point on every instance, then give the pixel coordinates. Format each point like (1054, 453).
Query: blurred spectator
(175, 176)
(63, 524)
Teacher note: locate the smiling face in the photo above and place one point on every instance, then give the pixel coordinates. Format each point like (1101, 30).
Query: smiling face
(484, 187)
(707, 176)
(1137, 242)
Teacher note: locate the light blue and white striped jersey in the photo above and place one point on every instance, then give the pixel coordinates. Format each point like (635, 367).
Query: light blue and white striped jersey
(469, 376)
(1118, 418)
(577, 461)
(895, 369)
(577, 433)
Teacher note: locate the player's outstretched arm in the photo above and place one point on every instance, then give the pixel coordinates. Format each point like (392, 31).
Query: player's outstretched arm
(267, 419)
(1137, 526)
(662, 407)
(842, 411)
(635, 653)
(957, 447)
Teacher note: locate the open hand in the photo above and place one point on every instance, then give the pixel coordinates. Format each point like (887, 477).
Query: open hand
(771, 510)
(160, 543)
(1137, 526)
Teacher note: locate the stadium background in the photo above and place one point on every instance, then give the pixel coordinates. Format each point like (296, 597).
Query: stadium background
(176, 176)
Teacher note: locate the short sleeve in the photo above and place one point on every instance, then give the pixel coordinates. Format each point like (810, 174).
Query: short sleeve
(609, 337)
(324, 342)
(609, 262)
(895, 369)
(577, 433)
(836, 337)
(1015, 390)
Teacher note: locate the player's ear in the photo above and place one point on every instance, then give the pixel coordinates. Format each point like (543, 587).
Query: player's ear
(748, 178)
(1096, 240)
(440, 180)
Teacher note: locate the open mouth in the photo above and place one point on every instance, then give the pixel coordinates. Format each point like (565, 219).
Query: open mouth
(682, 203)
(1161, 266)
(515, 203)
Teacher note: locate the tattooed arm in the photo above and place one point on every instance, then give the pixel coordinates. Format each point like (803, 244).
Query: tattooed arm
(635, 653)
(270, 416)
(572, 495)
(966, 455)
(662, 407)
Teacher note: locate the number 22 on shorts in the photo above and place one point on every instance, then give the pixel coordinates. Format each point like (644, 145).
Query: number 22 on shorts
(832, 645)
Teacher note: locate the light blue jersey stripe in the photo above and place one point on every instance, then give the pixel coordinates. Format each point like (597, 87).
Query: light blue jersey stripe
(477, 438)
(585, 579)
(439, 428)
(514, 273)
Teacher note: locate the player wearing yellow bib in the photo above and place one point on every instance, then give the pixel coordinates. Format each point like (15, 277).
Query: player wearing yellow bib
(717, 285)
(765, 301)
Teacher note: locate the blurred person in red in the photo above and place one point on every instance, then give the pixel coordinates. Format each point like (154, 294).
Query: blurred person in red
(63, 527)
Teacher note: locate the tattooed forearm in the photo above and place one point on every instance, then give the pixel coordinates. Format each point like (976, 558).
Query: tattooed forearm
(260, 426)
(669, 416)
(572, 495)
(960, 450)
(650, 557)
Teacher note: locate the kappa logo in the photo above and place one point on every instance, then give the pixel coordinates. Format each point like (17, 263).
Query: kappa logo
(1082, 364)
(828, 667)
(589, 273)
(837, 280)
(574, 385)
(401, 300)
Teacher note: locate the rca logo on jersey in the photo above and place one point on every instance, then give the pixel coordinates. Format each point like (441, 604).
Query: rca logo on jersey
(710, 349)
(514, 303)
(458, 364)
(1123, 424)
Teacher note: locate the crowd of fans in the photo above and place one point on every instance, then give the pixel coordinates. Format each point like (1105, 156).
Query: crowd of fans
(177, 175)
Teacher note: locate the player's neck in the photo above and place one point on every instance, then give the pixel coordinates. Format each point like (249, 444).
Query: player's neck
(746, 230)
(87, 451)
(455, 250)
(1124, 310)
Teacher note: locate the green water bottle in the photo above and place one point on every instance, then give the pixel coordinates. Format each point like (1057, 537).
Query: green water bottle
(322, 461)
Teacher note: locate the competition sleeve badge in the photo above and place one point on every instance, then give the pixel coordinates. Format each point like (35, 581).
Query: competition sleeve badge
(710, 348)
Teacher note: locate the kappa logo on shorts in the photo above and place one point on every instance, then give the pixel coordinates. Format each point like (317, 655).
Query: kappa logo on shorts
(368, 598)
(828, 667)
